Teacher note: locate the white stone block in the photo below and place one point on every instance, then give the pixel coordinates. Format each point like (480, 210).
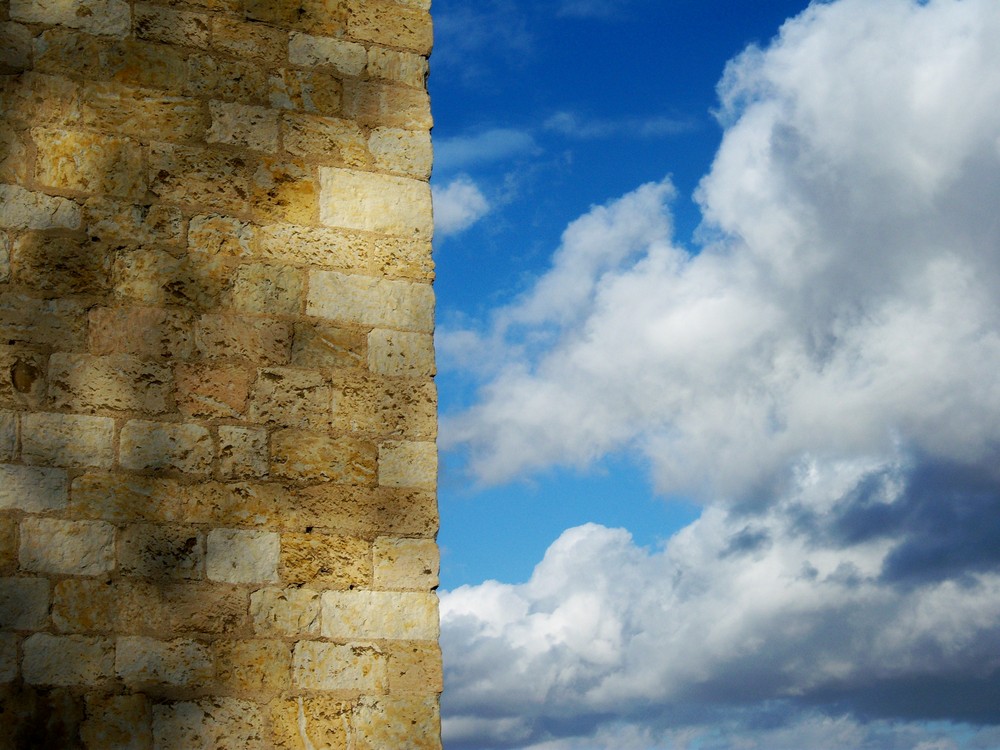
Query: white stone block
(243, 556)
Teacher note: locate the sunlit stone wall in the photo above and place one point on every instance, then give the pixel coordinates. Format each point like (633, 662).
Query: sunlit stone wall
(217, 407)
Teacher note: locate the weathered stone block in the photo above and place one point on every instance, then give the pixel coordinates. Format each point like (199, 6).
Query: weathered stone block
(249, 40)
(400, 408)
(67, 440)
(89, 162)
(339, 561)
(407, 721)
(377, 104)
(122, 722)
(402, 353)
(407, 152)
(365, 615)
(257, 666)
(79, 548)
(206, 391)
(146, 446)
(15, 47)
(326, 347)
(285, 191)
(391, 24)
(14, 161)
(181, 28)
(415, 667)
(330, 666)
(244, 125)
(8, 657)
(346, 58)
(405, 564)
(258, 340)
(105, 17)
(4, 258)
(291, 398)
(156, 277)
(407, 464)
(67, 660)
(314, 246)
(85, 605)
(199, 177)
(60, 324)
(61, 265)
(113, 220)
(327, 140)
(317, 456)
(147, 662)
(267, 289)
(32, 489)
(216, 234)
(237, 556)
(328, 17)
(244, 80)
(33, 99)
(8, 435)
(81, 382)
(63, 51)
(25, 384)
(141, 113)
(363, 511)
(24, 603)
(285, 612)
(242, 452)
(143, 331)
(148, 64)
(375, 202)
(8, 545)
(403, 67)
(208, 723)
(315, 722)
(161, 553)
(306, 90)
(370, 301)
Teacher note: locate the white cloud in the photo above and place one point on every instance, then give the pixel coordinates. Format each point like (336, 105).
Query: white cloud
(496, 144)
(573, 125)
(821, 374)
(457, 206)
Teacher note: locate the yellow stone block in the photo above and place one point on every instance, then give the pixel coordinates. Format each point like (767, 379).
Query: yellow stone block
(375, 202)
(314, 722)
(337, 561)
(312, 456)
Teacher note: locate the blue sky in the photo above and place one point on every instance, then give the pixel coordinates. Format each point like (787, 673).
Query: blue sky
(718, 336)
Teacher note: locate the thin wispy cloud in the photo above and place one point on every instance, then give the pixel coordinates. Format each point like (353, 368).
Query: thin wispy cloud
(575, 126)
(820, 375)
(483, 148)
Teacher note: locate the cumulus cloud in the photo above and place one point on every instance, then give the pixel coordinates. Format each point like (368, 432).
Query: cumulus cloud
(820, 373)
(457, 206)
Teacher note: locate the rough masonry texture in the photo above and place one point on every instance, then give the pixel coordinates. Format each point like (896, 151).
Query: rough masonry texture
(217, 407)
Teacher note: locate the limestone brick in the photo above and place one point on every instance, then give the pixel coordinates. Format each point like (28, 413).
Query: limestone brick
(325, 346)
(326, 17)
(4, 258)
(249, 40)
(262, 288)
(81, 548)
(56, 264)
(8, 435)
(367, 615)
(391, 24)
(407, 152)
(402, 353)
(67, 440)
(140, 113)
(32, 489)
(259, 667)
(146, 446)
(161, 553)
(150, 276)
(24, 603)
(239, 556)
(375, 202)
(24, 209)
(244, 79)
(291, 398)
(262, 341)
(406, 258)
(312, 456)
(15, 47)
(147, 64)
(114, 220)
(376, 103)
(14, 160)
(411, 721)
(244, 125)
(407, 464)
(60, 324)
(147, 332)
(207, 391)
(242, 452)
(399, 408)
(85, 605)
(414, 667)
(354, 668)
(328, 140)
(34, 99)
(331, 560)
(158, 24)
(67, 660)
(370, 301)
(315, 246)
(378, 511)
(344, 57)
(63, 51)
(26, 383)
(146, 662)
(89, 162)
(314, 722)
(208, 723)
(86, 383)
(198, 177)
(221, 235)
(306, 90)
(123, 722)
(285, 190)
(106, 17)
(8, 545)
(8, 657)
(405, 564)
(288, 612)
(403, 67)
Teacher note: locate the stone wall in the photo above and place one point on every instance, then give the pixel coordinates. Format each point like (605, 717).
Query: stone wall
(217, 407)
